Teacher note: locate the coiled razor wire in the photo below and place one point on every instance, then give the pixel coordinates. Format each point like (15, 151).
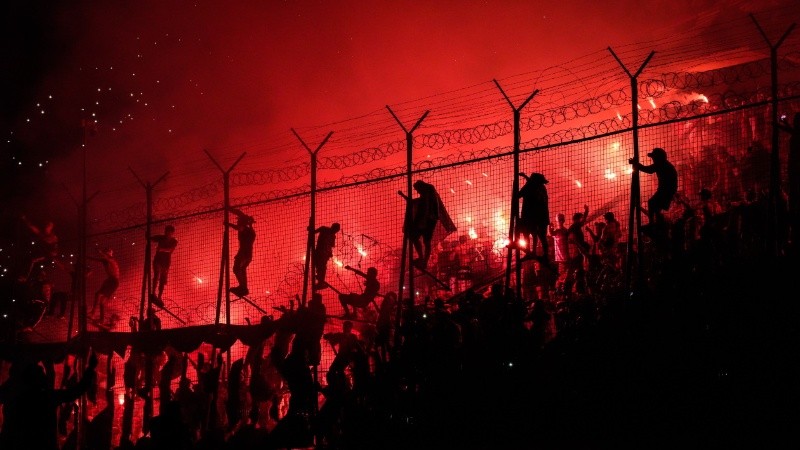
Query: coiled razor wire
(670, 111)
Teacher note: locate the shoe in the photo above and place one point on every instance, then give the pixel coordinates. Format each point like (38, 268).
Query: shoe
(239, 291)
(156, 301)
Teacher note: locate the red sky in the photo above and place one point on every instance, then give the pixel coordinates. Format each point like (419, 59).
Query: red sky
(167, 79)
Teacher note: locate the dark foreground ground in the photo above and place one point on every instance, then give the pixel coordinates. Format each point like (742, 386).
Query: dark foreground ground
(706, 363)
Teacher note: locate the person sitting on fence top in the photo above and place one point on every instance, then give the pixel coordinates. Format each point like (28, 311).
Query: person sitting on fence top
(667, 186)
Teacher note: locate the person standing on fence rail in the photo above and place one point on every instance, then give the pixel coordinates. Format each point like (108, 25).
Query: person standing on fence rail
(165, 245)
(427, 211)
(246, 236)
(535, 216)
(323, 251)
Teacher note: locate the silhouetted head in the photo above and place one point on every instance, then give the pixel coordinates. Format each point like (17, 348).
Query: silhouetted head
(560, 217)
(537, 177)
(335, 226)
(577, 216)
(704, 194)
(244, 219)
(658, 154)
(372, 272)
(169, 229)
(609, 216)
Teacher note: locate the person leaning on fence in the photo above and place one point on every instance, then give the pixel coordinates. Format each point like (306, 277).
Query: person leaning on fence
(667, 184)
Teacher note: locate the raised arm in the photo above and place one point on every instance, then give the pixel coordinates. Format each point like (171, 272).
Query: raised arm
(358, 272)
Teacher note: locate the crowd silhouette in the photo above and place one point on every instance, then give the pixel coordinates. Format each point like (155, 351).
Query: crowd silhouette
(579, 358)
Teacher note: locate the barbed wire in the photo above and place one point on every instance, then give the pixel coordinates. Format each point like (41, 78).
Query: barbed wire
(658, 87)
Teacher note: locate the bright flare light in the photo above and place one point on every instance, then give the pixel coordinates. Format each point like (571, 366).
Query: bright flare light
(472, 233)
(610, 175)
(578, 183)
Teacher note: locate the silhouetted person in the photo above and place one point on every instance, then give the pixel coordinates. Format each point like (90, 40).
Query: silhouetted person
(168, 431)
(247, 236)
(109, 286)
(349, 352)
(560, 234)
(386, 316)
(609, 240)
(667, 186)
(46, 244)
(323, 252)
(310, 325)
(30, 404)
(535, 216)
(165, 245)
(427, 210)
(578, 252)
(371, 288)
(793, 169)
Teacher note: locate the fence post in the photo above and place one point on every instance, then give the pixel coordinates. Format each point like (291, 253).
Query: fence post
(635, 211)
(512, 223)
(408, 250)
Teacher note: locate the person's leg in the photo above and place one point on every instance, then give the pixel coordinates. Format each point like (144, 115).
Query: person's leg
(95, 304)
(545, 245)
(344, 300)
(162, 281)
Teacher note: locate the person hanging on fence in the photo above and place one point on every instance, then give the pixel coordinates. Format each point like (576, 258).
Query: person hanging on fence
(427, 211)
(323, 252)
(46, 244)
(246, 236)
(667, 185)
(535, 217)
(371, 288)
(109, 286)
(165, 245)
